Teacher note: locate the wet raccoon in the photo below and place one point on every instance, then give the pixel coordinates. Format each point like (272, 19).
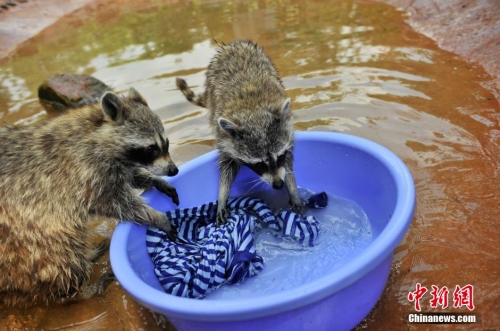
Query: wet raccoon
(251, 119)
(58, 177)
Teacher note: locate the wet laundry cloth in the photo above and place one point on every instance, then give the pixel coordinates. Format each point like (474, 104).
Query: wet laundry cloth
(205, 256)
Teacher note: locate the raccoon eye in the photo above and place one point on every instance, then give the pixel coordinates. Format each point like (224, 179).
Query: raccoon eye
(142, 155)
(152, 150)
(281, 159)
(259, 168)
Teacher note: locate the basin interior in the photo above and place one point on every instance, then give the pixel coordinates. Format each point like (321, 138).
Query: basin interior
(338, 167)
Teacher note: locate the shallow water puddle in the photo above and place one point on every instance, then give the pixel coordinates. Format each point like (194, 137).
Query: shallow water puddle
(349, 66)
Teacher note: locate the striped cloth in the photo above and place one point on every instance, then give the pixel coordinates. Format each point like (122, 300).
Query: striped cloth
(205, 256)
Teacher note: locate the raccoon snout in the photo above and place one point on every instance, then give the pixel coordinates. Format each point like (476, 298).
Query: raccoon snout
(163, 167)
(278, 184)
(172, 170)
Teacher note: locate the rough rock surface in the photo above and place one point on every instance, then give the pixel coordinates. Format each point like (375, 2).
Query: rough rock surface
(64, 91)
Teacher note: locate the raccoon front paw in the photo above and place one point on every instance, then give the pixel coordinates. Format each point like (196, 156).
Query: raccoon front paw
(173, 194)
(163, 223)
(221, 216)
(169, 190)
(172, 234)
(299, 207)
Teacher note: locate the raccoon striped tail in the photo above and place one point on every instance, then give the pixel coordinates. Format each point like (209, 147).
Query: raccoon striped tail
(196, 99)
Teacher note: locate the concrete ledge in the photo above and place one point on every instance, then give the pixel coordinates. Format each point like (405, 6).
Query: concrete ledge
(27, 19)
(469, 28)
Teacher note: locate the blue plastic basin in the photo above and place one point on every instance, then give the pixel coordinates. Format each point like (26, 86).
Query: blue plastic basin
(347, 166)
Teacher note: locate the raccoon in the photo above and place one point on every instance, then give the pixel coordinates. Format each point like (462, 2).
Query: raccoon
(58, 177)
(250, 115)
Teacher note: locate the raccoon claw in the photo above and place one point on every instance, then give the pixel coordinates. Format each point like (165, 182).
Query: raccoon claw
(172, 234)
(174, 196)
(172, 193)
(164, 224)
(169, 190)
(170, 231)
(221, 217)
(299, 208)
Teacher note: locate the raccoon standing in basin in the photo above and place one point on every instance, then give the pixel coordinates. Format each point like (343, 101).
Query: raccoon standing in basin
(58, 177)
(251, 118)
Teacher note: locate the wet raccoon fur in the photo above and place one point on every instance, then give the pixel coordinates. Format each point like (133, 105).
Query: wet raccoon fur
(58, 177)
(250, 115)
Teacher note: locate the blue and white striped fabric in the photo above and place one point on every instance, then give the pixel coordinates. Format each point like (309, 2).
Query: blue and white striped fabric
(205, 256)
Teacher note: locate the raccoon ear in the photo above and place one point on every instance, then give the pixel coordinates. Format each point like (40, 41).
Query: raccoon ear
(228, 126)
(133, 94)
(113, 107)
(285, 108)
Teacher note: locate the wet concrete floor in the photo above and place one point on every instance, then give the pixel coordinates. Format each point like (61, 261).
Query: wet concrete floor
(349, 66)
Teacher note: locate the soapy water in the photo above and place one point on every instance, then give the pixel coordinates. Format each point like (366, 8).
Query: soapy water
(345, 231)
